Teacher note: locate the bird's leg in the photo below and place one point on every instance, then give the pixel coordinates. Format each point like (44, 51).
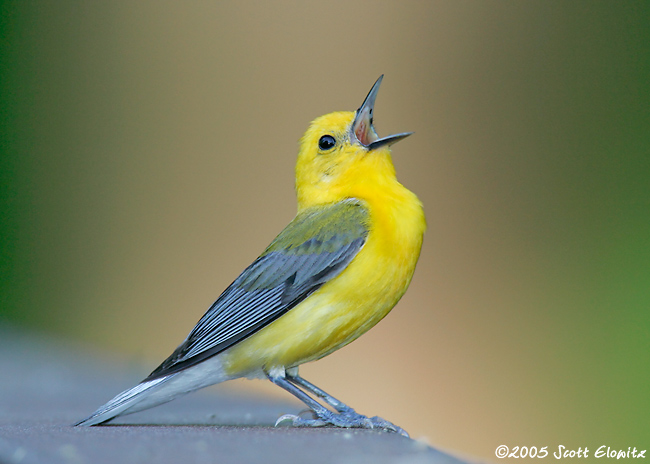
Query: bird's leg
(346, 417)
(313, 389)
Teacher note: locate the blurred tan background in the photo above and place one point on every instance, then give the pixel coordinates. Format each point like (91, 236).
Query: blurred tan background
(148, 152)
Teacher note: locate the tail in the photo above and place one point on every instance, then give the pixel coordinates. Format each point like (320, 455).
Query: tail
(159, 390)
(145, 395)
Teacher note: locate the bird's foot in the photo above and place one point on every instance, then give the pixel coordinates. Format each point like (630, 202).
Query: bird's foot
(348, 418)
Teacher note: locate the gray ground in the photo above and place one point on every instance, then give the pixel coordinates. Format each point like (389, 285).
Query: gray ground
(46, 386)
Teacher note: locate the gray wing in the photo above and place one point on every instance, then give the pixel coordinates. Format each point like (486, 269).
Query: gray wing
(313, 249)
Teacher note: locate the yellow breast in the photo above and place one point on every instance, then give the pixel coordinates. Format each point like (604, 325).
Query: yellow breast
(353, 302)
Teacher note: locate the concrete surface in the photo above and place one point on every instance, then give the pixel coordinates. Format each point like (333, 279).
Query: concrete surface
(47, 385)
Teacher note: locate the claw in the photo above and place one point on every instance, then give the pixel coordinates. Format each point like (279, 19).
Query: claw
(285, 417)
(378, 422)
(298, 421)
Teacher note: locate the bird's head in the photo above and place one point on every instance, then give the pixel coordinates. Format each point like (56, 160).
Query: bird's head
(342, 156)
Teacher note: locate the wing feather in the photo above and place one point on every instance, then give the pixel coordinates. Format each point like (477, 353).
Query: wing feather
(313, 249)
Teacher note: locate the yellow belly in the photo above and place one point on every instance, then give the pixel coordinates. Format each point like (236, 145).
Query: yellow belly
(344, 308)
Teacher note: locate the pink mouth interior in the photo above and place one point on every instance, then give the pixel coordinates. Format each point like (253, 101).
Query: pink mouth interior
(362, 133)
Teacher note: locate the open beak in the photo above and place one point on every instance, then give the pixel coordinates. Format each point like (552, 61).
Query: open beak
(362, 128)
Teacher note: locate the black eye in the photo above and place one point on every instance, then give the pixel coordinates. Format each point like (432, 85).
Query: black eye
(326, 142)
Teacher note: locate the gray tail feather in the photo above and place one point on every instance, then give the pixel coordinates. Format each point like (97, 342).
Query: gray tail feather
(129, 401)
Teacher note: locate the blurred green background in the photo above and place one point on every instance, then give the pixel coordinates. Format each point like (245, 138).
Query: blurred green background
(147, 158)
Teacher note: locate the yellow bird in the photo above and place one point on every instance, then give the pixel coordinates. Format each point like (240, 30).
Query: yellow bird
(335, 271)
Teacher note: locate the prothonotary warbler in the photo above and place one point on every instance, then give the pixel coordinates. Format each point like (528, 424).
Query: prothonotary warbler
(335, 271)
